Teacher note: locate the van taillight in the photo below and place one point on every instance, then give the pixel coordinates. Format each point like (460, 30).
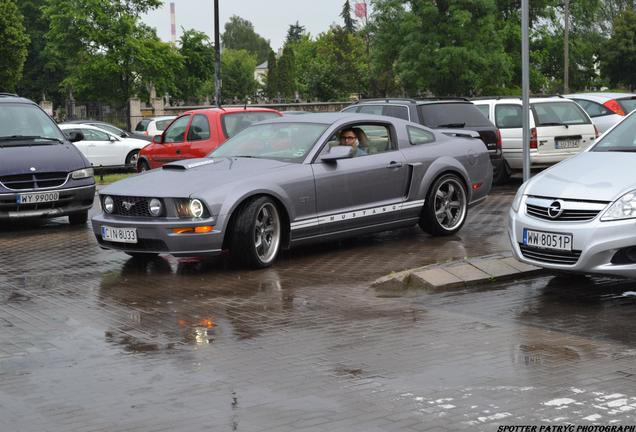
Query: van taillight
(145, 132)
(614, 106)
(533, 138)
(498, 138)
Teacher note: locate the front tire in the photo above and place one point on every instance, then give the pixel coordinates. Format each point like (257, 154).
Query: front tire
(132, 158)
(142, 166)
(446, 206)
(256, 238)
(78, 218)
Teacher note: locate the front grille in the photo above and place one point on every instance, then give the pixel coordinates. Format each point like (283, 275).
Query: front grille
(549, 255)
(567, 210)
(131, 206)
(567, 215)
(34, 181)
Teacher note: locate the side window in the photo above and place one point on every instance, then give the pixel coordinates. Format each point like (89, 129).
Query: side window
(484, 109)
(398, 111)
(351, 109)
(199, 128)
(94, 135)
(370, 109)
(176, 131)
(508, 116)
(419, 136)
(375, 139)
(162, 124)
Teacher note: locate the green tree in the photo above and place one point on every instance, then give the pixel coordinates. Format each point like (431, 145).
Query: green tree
(106, 53)
(271, 82)
(286, 73)
(239, 34)
(349, 24)
(238, 74)
(13, 45)
(197, 78)
(294, 33)
(619, 55)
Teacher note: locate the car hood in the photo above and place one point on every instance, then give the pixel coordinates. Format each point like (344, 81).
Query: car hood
(590, 176)
(192, 176)
(42, 157)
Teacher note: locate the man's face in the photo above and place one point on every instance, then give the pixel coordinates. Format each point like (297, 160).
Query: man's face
(349, 138)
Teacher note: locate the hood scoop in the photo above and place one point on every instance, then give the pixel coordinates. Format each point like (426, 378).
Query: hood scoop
(188, 164)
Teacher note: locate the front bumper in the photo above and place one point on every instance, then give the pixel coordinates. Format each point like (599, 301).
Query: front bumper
(598, 242)
(156, 236)
(71, 200)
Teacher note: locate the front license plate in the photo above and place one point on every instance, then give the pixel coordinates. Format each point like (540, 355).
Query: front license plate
(567, 144)
(119, 235)
(37, 197)
(547, 240)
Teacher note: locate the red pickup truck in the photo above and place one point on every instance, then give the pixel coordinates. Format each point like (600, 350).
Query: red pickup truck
(196, 133)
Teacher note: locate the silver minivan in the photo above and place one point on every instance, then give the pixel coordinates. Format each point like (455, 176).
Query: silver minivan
(559, 128)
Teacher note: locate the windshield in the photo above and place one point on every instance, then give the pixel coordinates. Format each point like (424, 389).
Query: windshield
(620, 139)
(26, 120)
(558, 113)
(233, 123)
(289, 142)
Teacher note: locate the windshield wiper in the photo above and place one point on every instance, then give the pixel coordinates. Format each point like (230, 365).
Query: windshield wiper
(554, 124)
(28, 137)
(452, 125)
(246, 156)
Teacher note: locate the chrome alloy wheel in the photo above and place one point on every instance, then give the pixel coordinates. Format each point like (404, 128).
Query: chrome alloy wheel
(450, 204)
(267, 232)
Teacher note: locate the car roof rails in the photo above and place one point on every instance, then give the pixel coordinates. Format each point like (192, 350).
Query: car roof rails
(386, 99)
(495, 97)
(443, 98)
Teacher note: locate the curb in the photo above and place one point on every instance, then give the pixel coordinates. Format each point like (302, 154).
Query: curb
(458, 274)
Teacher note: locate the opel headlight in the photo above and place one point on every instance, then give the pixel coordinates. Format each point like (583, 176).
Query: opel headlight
(516, 203)
(196, 208)
(155, 207)
(83, 173)
(109, 204)
(622, 208)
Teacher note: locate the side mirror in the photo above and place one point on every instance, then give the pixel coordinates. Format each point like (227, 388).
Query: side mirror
(112, 138)
(124, 135)
(157, 139)
(337, 152)
(75, 136)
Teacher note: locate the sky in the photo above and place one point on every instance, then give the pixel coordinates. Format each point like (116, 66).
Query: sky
(271, 18)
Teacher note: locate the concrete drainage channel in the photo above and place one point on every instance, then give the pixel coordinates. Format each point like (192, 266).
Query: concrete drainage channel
(457, 274)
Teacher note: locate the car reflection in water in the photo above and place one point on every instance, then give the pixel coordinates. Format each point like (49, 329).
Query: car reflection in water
(162, 304)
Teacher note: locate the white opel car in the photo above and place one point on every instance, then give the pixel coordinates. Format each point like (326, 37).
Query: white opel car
(580, 215)
(103, 148)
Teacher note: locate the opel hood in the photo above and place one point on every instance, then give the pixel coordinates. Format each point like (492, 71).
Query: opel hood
(192, 176)
(20, 159)
(589, 176)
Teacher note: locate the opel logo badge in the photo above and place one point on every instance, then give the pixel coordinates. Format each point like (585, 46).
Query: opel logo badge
(32, 169)
(555, 209)
(127, 205)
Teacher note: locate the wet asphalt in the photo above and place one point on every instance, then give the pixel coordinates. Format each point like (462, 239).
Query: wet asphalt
(92, 340)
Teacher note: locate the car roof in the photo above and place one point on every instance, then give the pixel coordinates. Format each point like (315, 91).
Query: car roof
(601, 96)
(168, 117)
(335, 117)
(65, 126)
(231, 110)
(517, 100)
(10, 97)
(421, 101)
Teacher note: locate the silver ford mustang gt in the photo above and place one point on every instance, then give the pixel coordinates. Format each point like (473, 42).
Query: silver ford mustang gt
(293, 180)
(580, 215)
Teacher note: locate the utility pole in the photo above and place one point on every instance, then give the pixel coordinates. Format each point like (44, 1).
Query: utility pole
(566, 50)
(217, 56)
(525, 89)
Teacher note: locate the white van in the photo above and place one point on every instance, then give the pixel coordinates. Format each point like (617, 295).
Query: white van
(559, 128)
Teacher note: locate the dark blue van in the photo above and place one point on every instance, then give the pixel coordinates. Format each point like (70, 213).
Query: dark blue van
(42, 174)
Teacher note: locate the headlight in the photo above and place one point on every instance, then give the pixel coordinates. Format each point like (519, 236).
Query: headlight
(109, 204)
(517, 201)
(622, 208)
(196, 208)
(83, 173)
(155, 207)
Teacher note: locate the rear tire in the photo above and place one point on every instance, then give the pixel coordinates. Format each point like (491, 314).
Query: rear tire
(446, 206)
(256, 238)
(78, 218)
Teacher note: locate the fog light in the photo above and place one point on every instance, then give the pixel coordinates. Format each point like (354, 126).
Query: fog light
(196, 230)
(109, 205)
(154, 207)
(203, 229)
(196, 208)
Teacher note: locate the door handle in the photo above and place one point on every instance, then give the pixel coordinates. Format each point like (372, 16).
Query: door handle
(394, 164)
(178, 151)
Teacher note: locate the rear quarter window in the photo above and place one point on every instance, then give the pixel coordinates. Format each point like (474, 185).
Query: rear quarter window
(508, 116)
(419, 136)
(142, 126)
(593, 109)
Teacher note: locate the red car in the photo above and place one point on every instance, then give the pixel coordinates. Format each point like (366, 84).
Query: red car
(196, 133)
